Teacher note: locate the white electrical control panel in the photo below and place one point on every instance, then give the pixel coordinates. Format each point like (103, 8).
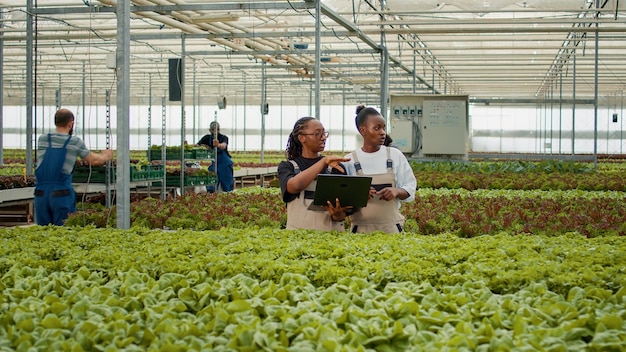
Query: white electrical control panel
(430, 125)
(404, 135)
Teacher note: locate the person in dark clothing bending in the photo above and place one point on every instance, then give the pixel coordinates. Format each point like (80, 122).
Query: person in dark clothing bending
(225, 174)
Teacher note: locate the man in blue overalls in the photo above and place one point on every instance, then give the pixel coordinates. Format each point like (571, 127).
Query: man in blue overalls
(225, 174)
(56, 152)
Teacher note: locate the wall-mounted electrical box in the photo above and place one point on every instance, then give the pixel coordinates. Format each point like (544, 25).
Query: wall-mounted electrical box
(429, 125)
(403, 135)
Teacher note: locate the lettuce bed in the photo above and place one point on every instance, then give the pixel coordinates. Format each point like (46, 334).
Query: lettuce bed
(266, 289)
(466, 213)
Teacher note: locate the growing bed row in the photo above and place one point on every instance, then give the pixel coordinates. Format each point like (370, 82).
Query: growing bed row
(433, 211)
(263, 289)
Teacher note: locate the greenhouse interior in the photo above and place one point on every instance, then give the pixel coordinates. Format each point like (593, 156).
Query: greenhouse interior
(163, 162)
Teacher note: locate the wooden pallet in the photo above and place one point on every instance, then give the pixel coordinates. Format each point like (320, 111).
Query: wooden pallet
(16, 213)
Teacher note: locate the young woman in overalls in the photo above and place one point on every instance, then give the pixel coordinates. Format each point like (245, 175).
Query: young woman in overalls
(393, 180)
(297, 176)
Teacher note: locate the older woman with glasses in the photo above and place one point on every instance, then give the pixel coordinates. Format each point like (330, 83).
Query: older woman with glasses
(298, 173)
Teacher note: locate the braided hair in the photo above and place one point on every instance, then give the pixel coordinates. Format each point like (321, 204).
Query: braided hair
(294, 147)
(362, 113)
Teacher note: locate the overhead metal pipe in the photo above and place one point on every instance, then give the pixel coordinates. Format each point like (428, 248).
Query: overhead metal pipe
(175, 21)
(302, 5)
(496, 30)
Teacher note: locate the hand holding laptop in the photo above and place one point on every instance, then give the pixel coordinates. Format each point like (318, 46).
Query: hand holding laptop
(337, 212)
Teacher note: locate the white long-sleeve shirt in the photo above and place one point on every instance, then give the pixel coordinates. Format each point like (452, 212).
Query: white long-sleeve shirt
(376, 163)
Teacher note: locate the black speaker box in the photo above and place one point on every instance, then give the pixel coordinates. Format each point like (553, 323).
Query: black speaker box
(176, 79)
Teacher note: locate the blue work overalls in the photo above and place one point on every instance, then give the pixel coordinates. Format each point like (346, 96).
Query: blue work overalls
(224, 173)
(54, 193)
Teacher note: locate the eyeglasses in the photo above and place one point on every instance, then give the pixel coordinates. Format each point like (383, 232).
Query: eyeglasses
(317, 135)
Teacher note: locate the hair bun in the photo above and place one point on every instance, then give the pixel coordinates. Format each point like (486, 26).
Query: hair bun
(359, 108)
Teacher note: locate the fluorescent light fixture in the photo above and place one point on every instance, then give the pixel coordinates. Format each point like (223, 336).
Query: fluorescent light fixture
(215, 17)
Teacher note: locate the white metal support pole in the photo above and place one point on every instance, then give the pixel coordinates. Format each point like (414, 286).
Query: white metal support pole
(193, 99)
(215, 134)
(560, 108)
(83, 101)
(182, 115)
(107, 171)
(310, 98)
(343, 119)
(29, 87)
(384, 62)
(384, 83)
(245, 108)
(149, 116)
(236, 129)
(263, 104)
(43, 111)
(97, 120)
(595, 91)
(318, 52)
(122, 71)
(621, 124)
(545, 125)
(551, 118)
(280, 132)
(574, 104)
(59, 93)
(414, 67)
(163, 151)
(1, 87)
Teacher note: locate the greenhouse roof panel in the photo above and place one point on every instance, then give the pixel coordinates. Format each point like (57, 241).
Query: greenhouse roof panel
(485, 49)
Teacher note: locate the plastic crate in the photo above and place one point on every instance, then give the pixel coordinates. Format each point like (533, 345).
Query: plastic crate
(201, 153)
(98, 174)
(155, 172)
(147, 172)
(155, 154)
(191, 180)
(176, 155)
(137, 175)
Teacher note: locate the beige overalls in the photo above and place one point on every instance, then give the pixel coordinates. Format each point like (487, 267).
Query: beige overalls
(379, 214)
(300, 217)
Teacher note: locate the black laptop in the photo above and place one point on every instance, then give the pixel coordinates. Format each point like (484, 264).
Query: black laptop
(351, 190)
